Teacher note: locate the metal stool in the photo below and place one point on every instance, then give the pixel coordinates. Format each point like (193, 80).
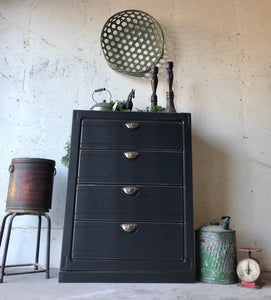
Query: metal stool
(37, 268)
(29, 193)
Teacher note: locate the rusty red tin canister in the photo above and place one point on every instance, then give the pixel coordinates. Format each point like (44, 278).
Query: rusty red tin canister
(30, 185)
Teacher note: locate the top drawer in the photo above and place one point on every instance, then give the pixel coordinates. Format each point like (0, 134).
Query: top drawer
(127, 134)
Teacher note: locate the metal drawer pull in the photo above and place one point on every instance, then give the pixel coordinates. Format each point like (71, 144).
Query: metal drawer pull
(129, 190)
(131, 125)
(131, 155)
(128, 227)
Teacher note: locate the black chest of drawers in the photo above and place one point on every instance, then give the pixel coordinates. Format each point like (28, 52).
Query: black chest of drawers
(129, 209)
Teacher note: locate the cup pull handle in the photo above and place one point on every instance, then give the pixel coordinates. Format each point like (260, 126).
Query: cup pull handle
(130, 190)
(131, 155)
(132, 125)
(128, 227)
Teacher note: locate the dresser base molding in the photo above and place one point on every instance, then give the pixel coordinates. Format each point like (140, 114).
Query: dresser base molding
(128, 277)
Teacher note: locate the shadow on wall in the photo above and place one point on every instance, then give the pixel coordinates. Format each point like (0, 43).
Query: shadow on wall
(170, 52)
(59, 199)
(210, 188)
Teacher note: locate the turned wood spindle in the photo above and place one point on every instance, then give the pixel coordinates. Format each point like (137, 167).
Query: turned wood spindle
(170, 94)
(169, 66)
(154, 83)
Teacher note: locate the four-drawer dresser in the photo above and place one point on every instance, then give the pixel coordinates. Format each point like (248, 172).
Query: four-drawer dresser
(129, 209)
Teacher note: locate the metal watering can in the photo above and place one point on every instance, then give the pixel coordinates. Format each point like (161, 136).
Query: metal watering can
(216, 252)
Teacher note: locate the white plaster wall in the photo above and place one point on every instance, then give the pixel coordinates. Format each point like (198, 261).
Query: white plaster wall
(51, 61)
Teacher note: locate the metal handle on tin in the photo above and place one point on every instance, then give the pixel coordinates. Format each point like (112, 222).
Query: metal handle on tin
(132, 125)
(54, 171)
(11, 168)
(128, 227)
(131, 155)
(130, 190)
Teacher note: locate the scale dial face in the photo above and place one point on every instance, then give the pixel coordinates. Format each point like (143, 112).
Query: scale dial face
(248, 270)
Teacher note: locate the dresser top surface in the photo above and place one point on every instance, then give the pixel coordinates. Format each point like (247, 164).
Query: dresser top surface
(132, 115)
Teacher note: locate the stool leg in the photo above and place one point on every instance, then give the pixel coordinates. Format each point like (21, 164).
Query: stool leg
(3, 226)
(38, 245)
(6, 248)
(48, 245)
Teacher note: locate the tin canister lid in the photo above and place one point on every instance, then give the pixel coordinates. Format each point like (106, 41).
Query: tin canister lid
(215, 226)
(214, 223)
(32, 160)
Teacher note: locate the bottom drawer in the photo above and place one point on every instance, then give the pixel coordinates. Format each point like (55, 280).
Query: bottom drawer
(108, 240)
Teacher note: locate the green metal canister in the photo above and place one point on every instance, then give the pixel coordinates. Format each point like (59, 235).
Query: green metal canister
(216, 253)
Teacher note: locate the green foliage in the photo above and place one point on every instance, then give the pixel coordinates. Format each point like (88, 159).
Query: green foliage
(119, 105)
(65, 158)
(157, 108)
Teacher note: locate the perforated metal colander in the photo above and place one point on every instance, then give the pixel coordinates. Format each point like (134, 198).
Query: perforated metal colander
(132, 42)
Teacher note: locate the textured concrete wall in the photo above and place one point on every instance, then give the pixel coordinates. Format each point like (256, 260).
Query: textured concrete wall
(51, 61)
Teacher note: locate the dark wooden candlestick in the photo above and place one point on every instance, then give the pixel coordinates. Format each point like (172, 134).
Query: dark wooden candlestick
(154, 83)
(170, 95)
(169, 66)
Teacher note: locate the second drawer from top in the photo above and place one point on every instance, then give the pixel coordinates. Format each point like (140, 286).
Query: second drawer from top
(130, 167)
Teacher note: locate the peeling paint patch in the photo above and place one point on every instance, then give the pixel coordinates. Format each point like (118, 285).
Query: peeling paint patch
(48, 43)
(49, 69)
(36, 69)
(3, 75)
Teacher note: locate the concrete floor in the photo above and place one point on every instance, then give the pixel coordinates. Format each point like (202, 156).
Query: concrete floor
(36, 287)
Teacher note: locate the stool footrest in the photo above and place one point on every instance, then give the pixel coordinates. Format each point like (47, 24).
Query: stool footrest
(20, 265)
(39, 270)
